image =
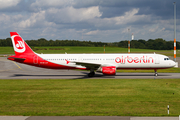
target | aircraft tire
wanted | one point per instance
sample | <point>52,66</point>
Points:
<point>91,74</point>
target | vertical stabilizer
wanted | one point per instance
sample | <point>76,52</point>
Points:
<point>19,45</point>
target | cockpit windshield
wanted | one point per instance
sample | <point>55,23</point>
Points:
<point>166,59</point>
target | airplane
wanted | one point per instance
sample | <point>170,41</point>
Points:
<point>104,63</point>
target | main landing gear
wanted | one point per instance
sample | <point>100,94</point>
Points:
<point>156,74</point>
<point>91,74</point>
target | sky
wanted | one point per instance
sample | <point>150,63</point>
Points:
<point>90,20</point>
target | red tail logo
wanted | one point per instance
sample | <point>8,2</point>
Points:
<point>18,44</point>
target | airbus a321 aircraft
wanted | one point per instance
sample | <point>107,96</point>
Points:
<point>104,63</point>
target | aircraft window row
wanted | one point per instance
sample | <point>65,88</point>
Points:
<point>97,59</point>
<point>60,59</point>
<point>114,59</point>
<point>109,59</point>
<point>91,59</point>
<point>166,59</point>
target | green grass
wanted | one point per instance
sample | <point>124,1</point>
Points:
<point>6,50</point>
<point>74,49</point>
<point>90,97</point>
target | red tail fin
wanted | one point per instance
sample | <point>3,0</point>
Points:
<point>20,46</point>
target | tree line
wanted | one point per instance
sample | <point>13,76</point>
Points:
<point>155,44</point>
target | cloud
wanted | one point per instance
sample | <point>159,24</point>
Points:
<point>72,15</point>
<point>7,21</point>
<point>35,19</point>
<point>129,18</point>
<point>51,3</point>
<point>96,20</point>
<point>4,18</point>
<point>92,32</point>
<point>8,3</point>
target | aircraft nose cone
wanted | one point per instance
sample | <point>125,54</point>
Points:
<point>172,63</point>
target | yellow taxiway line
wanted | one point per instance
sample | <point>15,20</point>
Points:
<point>17,65</point>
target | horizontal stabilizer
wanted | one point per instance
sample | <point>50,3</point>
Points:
<point>16,58</point>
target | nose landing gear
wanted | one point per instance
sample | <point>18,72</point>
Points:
<point>156,74</point>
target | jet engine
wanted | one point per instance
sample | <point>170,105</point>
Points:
<point>108,70</point>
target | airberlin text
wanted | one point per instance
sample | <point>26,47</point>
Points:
<point>143,59</point>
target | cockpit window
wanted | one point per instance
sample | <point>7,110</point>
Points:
<point>166,59</point>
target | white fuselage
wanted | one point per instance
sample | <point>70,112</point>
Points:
<point>120,61</point>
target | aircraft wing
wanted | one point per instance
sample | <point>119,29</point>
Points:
<point>91,65</point>
<point>88,64</point>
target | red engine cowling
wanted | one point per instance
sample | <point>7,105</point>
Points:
<point>110,70</point>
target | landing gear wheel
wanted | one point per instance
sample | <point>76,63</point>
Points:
<point>156,74</point>
<point>91,74</point>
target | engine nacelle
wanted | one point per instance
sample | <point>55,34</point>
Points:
<point>110,70</point>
